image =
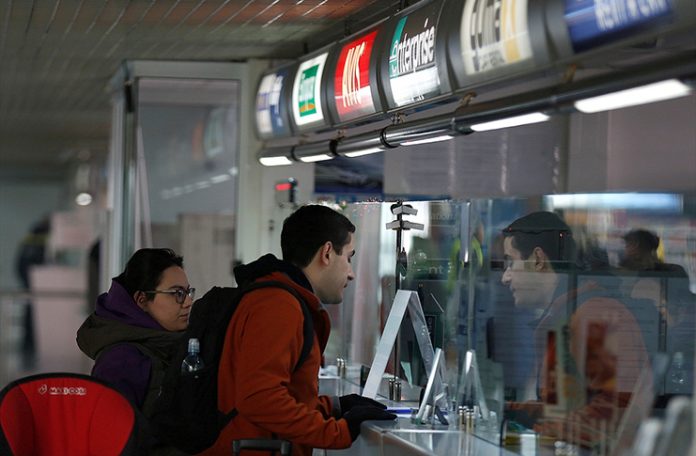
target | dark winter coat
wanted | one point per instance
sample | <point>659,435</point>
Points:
<point>130,348</point>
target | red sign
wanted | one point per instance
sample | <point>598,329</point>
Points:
<point>352,91</point>
<point>283,186</point>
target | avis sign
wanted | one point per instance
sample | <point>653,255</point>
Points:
<point>352,91</point>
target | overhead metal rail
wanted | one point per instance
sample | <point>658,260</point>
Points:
<point>566,43</point>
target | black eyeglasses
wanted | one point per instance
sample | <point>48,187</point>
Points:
<point>179,293</point>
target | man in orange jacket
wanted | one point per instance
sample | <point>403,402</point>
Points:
<point>264,340</point>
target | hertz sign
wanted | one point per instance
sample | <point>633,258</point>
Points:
<point>306,92</point>
<point>352,91</point>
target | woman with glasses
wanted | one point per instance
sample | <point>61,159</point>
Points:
<point>136,322</point>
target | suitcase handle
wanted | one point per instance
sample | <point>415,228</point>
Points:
<point>284,446</point>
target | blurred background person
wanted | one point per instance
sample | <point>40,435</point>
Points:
<point>31,252</point>
<point>640,254</point>
<point>666,287</point>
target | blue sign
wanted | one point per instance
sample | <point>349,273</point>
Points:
<point>280,125</point>
<point>270,105</point>
<point>592,23</point>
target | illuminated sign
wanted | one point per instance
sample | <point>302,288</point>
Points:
<point>283,186</point>
<point>269,105</point>
<point>352,92</point>
<point>413,73</point>
<point>494,34</point>
<point>285,191</point>
<point>306,91</point>
<point>594,22</point>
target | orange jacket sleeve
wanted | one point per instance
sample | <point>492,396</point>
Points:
<point>267,338</point>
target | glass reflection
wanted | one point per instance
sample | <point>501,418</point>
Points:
<point>578,336</point>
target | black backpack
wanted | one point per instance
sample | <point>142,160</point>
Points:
<point>186,414</point>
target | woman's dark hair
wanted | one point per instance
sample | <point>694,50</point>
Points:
<point>646,241</point>
<point>308,228</point>
<point>144,269</point>
<point>545,230</point>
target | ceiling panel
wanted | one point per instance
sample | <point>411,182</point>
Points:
<point>57,56</point>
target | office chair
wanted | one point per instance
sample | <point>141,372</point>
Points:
<point>66,414</point>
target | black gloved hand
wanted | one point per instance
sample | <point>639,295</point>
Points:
<point>361,413</point>
<point>353,400</point>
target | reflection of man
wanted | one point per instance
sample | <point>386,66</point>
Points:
<point>590,349</point>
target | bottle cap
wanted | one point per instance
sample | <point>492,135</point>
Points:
<point>193,345</point>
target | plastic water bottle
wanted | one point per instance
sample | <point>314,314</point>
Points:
<point>677,376</point>
<point>193,361</point>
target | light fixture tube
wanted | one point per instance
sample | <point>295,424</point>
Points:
<point>360,153</point>
<point>275,161</point>
<point>665,202</point>
<point>427,140</point>
<point>315,158</point>
<point>657,91</point>
<point>525,119</point>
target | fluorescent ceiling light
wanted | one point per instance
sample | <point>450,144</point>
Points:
<point>427,140</point>
<point>275,161</point>
<point>359,153</point>
<point>508,122</point>
<point>316,158</point>
<point>658,91</point>
<point>635,201</point>
<point>83,199</point>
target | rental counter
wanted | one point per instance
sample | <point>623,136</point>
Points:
<point>402,437</point>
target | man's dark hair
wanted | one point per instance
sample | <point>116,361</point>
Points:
<point>145,268</point>
<point>308,228</point>
<point>547,231</point>
<point>646,241</point>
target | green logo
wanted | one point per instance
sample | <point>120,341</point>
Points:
<point>308,81</point>
<point>394,49</point>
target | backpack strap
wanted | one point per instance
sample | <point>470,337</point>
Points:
<point>308,323</point>
<point>158,366</point>
<point>158,369</point>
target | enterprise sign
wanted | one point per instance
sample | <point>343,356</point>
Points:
<point>352,91</point>
<point>594,22</point>
<point>306,92</point>
<point>413,73</point>
<point>494,34</point>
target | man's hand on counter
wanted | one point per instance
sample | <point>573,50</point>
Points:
<point>355,400</point>
<point>360,413</point>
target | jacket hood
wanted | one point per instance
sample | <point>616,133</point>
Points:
<point>97,333</point>
<point>118,319</point>
<point>266,265</point>
<point>118,305</point>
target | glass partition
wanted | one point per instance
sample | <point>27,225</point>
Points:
<point>581,315</point>
<point>187,172</point>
